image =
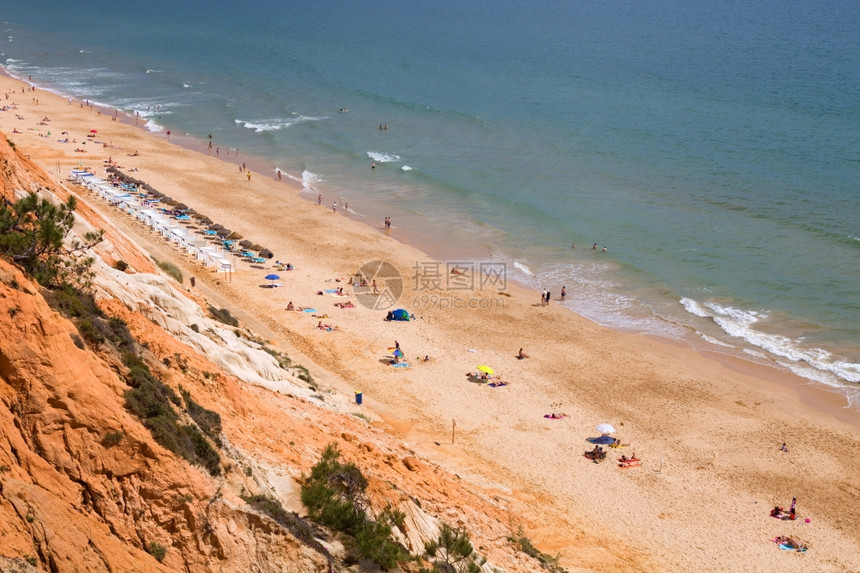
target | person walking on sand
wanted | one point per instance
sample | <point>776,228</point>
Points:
<point>249,176</point>
<point>334,207</point>
<point>548,297</point>
<point>563,292</point>
<point>319,199</point>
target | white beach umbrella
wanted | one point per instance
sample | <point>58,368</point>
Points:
<point>605,429</point>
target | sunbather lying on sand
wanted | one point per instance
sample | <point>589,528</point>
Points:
<point>597,454</point>
<point>790,542</point>
<point>479,375</point>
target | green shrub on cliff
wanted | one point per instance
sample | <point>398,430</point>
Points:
<point>334,495</point>
<point>151,401</point>
<point>453,551</point>
<point>169,268</point>
<point>208,421</point>
<point>32,233</point>
<point>93,325</point>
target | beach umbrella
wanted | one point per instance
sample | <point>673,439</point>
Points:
<point>603,440</point>
<point>234,236</point>
<point>245,243</point>
<point>396,352</point>
<point>256,247</point>
<point>486,369</point>
<point>224,232</point>
<point>266,253</point>
<point>272,277</point>
<point>94,131</point>
<point>605,429</point>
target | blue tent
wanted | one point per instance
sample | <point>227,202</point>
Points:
<point>399,314</point>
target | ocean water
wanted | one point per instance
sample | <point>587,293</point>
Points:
<point>713,148</point>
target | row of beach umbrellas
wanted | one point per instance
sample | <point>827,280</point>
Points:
<point>220,230</point>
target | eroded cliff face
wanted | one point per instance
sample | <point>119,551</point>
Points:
<point>85,487</point>
<point>80,505</point>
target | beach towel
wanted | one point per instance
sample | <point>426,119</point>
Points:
<point>497,384</point>
<point>787,546</point>
<point>401,365</point>
<point>331,290</point>
<point>309,310</point>
<point>551,417</point>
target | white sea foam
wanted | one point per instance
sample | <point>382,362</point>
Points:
<point>714,341</point>
<point>523,268</point>
<point>406,168</point>
<point>741,324</point>
<point>291,177</point>
<point>310,180</point>
<point>186,85</point>
<point>153,71</point>
<point>381,157</point>
<point>694,307</point>
<point>259,125</point>
<point>153,127</point>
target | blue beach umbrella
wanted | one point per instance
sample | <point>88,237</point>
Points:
<point>272,277</point>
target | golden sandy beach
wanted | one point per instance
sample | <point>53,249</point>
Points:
<point>707,428</point>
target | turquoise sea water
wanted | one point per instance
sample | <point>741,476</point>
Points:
<point>713,148</point>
